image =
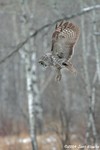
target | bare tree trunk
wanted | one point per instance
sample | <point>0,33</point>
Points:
<point>29,56</point>
<point>90,91</point>
<point>95,42</point>
<point>85,66</point>
<point>65,115</point>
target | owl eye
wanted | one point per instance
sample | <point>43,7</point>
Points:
<point>42,63</point>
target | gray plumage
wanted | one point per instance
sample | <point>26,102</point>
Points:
<point>64,40</point>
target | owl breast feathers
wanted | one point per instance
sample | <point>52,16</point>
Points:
<point>64,39</point>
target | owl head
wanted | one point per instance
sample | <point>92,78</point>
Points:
<point>46,60</point>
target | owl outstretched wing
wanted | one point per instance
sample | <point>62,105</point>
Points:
<point>64,39</point>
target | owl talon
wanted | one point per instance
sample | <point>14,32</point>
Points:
<point>58,77</point>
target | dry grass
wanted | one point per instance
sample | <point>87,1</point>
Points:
<point>13,143</point>
<point>47,141</point>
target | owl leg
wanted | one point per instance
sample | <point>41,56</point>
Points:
<point>70,67</point>
<point>58,73</point>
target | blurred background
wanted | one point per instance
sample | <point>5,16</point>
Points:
<point>32,104</point>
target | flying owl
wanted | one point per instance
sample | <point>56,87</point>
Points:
<point>64,39</point>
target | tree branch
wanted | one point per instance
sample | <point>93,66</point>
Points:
<point>20,45</point>
<point>97,33</point>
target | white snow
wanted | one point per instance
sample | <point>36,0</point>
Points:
<point>27,140</point>
<point>51,139</point>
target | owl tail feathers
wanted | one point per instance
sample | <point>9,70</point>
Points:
<point>70,67</point>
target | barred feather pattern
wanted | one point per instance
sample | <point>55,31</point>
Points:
<point>64,39</point>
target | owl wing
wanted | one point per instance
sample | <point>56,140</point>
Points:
<point>64,39</point>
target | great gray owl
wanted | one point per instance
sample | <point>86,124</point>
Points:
<point>64,40</point>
